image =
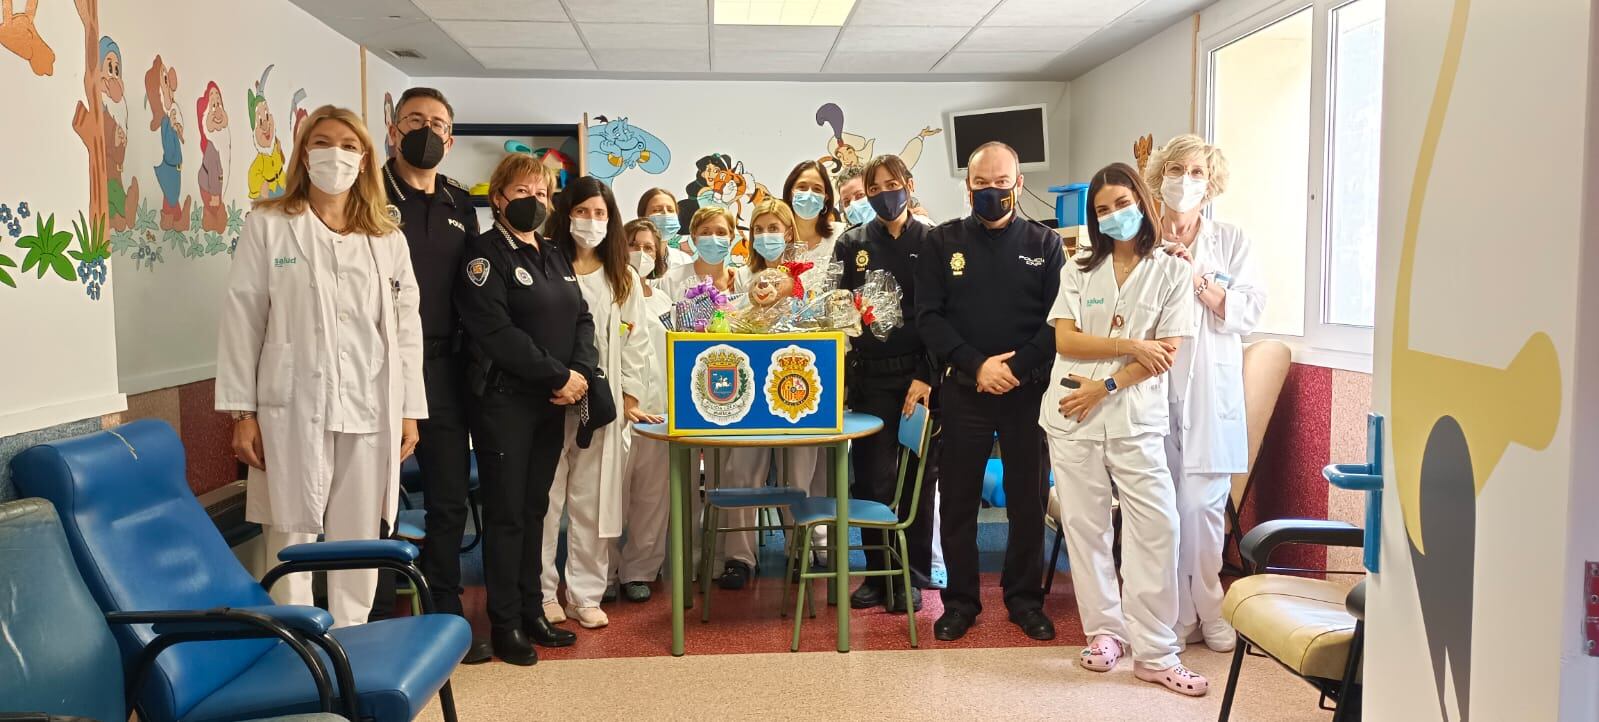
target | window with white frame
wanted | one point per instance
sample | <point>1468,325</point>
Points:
<point>1293,97</point>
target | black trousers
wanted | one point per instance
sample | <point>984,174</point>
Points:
<point>445,457</point>
<point>875,461</point>
<point>970,421</point>
<point>519,438</point>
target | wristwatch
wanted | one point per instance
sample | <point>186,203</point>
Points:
<point>242,415</point>
<point>1110,385</point>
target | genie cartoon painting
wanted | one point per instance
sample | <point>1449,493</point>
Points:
<point>849,150</point>
<point>616,145</point>
<point>161,94</point>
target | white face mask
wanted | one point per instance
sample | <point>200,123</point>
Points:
<point>642,262</point>
<point>588,232</point>
<point>333,170</point>
<point>1183,194</point>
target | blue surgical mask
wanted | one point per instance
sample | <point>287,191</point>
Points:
<point>808,204</point>
<point>712,249</point>
<point>667,223</point>
<point>1123,224</point>
<point>991,204</point>
<point>860,212</point>
<point>770,245</point>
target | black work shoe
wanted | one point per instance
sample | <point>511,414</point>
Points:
<point>952,626</point>
<point>512,647</point>
<point>636,592</point>
<point>868,595</point>
<point>548,635</point>
<point>735,574</point>
<point>1034,623</point>
<point>897,606</point>
<point>480,651</point>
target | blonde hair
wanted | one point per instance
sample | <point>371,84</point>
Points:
<point>516,166</point>
<point>1183,147</point>
<point>367,209</point>
<point>706,213</point>
<point>785,215</point>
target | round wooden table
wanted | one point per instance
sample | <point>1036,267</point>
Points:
<point>680,459</point>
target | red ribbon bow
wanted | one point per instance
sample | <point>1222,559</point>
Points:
<point>794,269</point>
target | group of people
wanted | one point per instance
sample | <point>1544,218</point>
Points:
<point>368,316</point>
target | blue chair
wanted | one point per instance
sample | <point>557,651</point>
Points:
<point>150,556</point>
<point>411,483</point>
<point>717,498</point>
<point>62,659</point>
<point>914,435</point>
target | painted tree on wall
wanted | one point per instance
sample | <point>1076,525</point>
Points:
<point>88,120</point>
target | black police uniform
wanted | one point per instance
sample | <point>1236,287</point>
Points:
<point>981,293</point>
<point>878,374</point>
<point>527,326</point>
<point>437,226</point>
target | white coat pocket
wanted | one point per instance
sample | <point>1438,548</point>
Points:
<point>274,383</point>
<point>1229,388</point>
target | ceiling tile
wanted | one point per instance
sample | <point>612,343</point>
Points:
<point>500,34</point>
<point>987,39</point>
<point>953,13</point>
<point>691,60</point>
<point>372,31</point>
<point>532,59</point>
<point>771,62</point>
<point>760,39</point>
<point>639,11</point>
<point>995,62</point>
<point>888,38</point>
<point>492,9</point>
<point>882,62</point>
<point>1041,13</point>
<point>361,9</point>
<point>645,36</point>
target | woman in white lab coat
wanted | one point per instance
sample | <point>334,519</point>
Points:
<point>647,494</point>
<point>587,226</point>
<point>319,356</point>
<point>1105,417</point>
<point>1209,441</point>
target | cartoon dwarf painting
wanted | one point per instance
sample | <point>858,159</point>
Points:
<point>161,94</point>
<point>216,157</point>
<point>122,201</point>
<point>266,171</point>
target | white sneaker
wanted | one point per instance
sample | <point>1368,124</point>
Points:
<point>588,617</point>
<point>553,613</point>
<point>1219,635</point>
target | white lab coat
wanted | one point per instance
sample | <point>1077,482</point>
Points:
<point>623,344</point>
<point>273,348</point>
<point>1207,384</point>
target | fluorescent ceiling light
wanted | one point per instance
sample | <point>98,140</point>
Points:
<point>782,12</point>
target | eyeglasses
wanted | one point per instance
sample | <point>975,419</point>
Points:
<point>416,120</point>
<point>1178,170</point>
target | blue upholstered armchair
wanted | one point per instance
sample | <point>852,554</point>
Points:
<point>200,637</point>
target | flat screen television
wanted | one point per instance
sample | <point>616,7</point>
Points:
<point>1023,127</point>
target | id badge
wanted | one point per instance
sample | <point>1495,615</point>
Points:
<point>1223,280</point>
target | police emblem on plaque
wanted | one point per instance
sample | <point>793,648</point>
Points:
<point>793,387</point>
<point>722,384</point>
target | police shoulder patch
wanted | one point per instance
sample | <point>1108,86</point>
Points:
<point>523,277</point>
<point>477,271</point>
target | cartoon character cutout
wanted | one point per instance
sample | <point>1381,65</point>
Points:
<point>266,171</point>
<point>122,201</point>
<point>19,33</point>
<point>161,95</point>
<point>614,146</point>
<point>848,150</point>
<point>722,183</point>
<point>388,122</point>
<point>216,158</point>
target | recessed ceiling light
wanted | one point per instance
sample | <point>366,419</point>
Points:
<point>782,12</point>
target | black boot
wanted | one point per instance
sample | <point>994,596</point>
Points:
<point>512,647</point>
<point>548,635</point>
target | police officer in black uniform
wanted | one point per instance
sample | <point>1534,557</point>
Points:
<point>984,286</point>
<point>885,378</point>
<point>437,217</point>
<point>531,340</point>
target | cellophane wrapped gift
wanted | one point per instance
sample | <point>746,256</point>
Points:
<point>698,307</point>
<point>878,300</point>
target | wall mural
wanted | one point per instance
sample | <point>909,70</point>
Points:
<point>615,146</point>
<point>19,33</point>
<point>721,182</point>
<point>849,150</point>
<point>388,122</point>
<point>1446,444</point>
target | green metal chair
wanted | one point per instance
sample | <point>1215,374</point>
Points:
<point>915,434</point>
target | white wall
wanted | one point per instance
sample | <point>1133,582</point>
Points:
<point>383,83</point>
<point>768,126</point>
<point>1142,91</point>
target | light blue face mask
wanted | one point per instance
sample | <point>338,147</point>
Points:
<point>1123,224</point>
<point>860,212</point>
<point>808,204</point>
<point>667,223</point>
<point>770,245</point>
<point>712,249</point>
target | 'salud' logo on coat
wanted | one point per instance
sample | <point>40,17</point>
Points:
<point>793,388</point>
<point>722,384</point>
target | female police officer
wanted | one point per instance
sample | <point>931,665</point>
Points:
<point>532,344</point>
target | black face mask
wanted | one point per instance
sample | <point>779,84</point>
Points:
<point>422,148</point>
<point>525,214</point>
<point>889,204</point>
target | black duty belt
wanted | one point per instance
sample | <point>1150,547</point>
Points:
<point>886,366</point>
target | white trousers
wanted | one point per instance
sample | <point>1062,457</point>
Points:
<point>746,469</point>
<point>1083,473</point>
<point>1202,515</point>
<point>354,511</point>
<point>576,493</point>
<point>648,510</point>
